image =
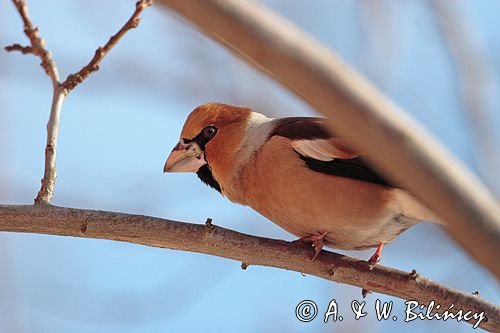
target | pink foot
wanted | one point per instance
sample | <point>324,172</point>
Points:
<point>316,241</point>
<point>375,258</point>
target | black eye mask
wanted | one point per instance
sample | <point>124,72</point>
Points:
<point>203,137</point>
<point>204,172</point>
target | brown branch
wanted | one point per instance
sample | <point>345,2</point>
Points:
<point>61,90</point>
<point>74,79</point>
<point>250,250</point>
<point>395,144</point>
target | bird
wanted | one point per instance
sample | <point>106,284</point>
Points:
<point>298,174</point>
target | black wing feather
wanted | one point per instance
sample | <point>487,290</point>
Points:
<point>310,128</point>
<point>301,128</point>
<point>354,168</point>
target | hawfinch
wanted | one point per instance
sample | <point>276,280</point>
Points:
<point>298,175</point>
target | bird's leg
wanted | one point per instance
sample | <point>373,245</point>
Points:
<point>316,240</point>
<point>375,258</point>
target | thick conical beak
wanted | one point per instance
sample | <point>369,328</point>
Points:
<point>185,158</point>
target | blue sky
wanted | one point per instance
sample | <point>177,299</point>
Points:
<point>118,127</point>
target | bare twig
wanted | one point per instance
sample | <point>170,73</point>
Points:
<point>74,79</point>
<point>22,49</point>
<point>37,47</point>
<point>250,250</point>
<point>394,143</point>
<point>61,90</point>
<point>49,176</point>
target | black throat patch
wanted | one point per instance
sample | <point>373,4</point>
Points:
<point>206,176</point>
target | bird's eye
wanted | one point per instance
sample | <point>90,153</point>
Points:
<point>209,132</point>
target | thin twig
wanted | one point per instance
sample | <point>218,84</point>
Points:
<point>22,49</point>
<point>37,47</point>
<point>49,176</point>
<point>61,90</point>
<point>250,250</point>
<point>74,79</point>
<point>395,144</point>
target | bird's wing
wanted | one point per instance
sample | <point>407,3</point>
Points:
<point>323,152</point>
<point>323,149</point>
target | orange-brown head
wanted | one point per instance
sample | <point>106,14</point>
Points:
<point>209,142</point>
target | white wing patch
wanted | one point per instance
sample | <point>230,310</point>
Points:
<point>318,149</point>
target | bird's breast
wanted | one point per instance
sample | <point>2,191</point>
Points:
<point>276,183</point>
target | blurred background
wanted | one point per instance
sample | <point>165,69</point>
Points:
<point>439,60</point>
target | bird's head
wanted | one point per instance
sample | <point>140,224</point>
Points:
<point>209,140</point>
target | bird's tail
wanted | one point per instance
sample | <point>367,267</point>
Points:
<point>413,208</point>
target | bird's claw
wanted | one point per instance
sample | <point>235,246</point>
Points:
<point>374,259</point>
<point>316,241</point>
